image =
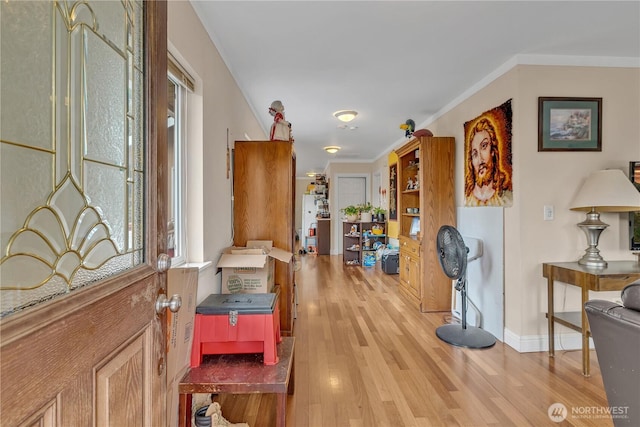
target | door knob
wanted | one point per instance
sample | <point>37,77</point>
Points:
<point>172,304</point>
<point>164,263</point>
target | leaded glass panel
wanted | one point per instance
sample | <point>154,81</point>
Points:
<point>72,190</point>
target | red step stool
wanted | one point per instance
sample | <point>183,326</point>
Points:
<point>237,323</point>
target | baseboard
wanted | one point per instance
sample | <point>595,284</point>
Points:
<point>536,343</point>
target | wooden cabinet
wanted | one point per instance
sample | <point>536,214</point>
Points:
<point>359,240</point>
<point>324,236</point>
<point>264,209</point>
<point>426,201</point>
<point>410,268</point>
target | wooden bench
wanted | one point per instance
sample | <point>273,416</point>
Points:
<point>240,374</point>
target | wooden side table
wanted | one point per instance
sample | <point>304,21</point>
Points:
<point>240,374</point>
<point>616,276</point>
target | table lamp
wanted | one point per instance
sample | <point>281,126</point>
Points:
<point>603,191</point>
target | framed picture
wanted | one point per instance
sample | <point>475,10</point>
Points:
<point>569,124</point>
<point>634,217</point>
<point>393,191</point>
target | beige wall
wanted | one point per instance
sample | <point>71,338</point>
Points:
<point>549,178</point>
<point>217,106</point>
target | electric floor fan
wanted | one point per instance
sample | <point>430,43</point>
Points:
<point>453,260</point>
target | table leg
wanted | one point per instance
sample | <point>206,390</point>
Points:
<point>550,312</point>
<point>292,376</point>
<point>585,332</point>
<point>184,409</point>
<point>281,409</point>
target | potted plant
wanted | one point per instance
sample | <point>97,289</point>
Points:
<point>351,212</point>
<point>378,213</point>
<point>365,212</point>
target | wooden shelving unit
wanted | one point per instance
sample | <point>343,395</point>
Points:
<point>426,198</point>
<point>358,240</point>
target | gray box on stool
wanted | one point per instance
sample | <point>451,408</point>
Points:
<point>391,263</point>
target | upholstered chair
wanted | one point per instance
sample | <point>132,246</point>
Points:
<point>615,330</point>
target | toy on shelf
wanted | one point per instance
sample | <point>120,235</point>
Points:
<point>409,184</point>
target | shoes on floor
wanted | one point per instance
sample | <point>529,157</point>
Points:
<point>213,417</point>
<point>217,420</point>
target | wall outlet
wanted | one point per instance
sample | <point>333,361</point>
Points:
<point>548,213</point>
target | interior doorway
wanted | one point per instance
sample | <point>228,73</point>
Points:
<point>351,189</point>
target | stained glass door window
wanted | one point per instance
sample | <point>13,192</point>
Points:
<point>71,146</point>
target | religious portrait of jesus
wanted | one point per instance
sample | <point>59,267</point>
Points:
<point>488,166</point>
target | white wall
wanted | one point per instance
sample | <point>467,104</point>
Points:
<point>217,106</point>
<point>485,284</point>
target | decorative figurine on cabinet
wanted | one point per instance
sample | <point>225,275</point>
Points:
<point>409,184</point>
<point>416,183</point>
<point>409,126</point>
<point>280,129</point>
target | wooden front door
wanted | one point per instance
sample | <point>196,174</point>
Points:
<point>83,135</point>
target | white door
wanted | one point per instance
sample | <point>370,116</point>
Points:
<point>83,99</point>
<point>351,190</point>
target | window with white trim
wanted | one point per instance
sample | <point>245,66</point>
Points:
<point>179,82</point>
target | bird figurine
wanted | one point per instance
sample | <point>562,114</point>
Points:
<point>409,126</point>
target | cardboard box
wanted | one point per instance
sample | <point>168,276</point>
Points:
<point>250,269</point>
<point>180,325</point>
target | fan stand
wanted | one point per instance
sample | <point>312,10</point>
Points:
<point>463,335</point>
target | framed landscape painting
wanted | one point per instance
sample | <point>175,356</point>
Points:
<point>569,124</point>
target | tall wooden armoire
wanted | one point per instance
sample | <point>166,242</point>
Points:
<point>264,208</point>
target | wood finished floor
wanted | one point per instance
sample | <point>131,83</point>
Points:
<point>364,357</point>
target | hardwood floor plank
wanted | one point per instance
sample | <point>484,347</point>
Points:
<point>365,357</point>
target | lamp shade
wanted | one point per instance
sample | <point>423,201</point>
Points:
<point>607,191</point>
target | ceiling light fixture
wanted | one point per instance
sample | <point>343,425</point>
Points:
<point>332,149</point>
<point>311,174</point>
<point>345,115</point>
